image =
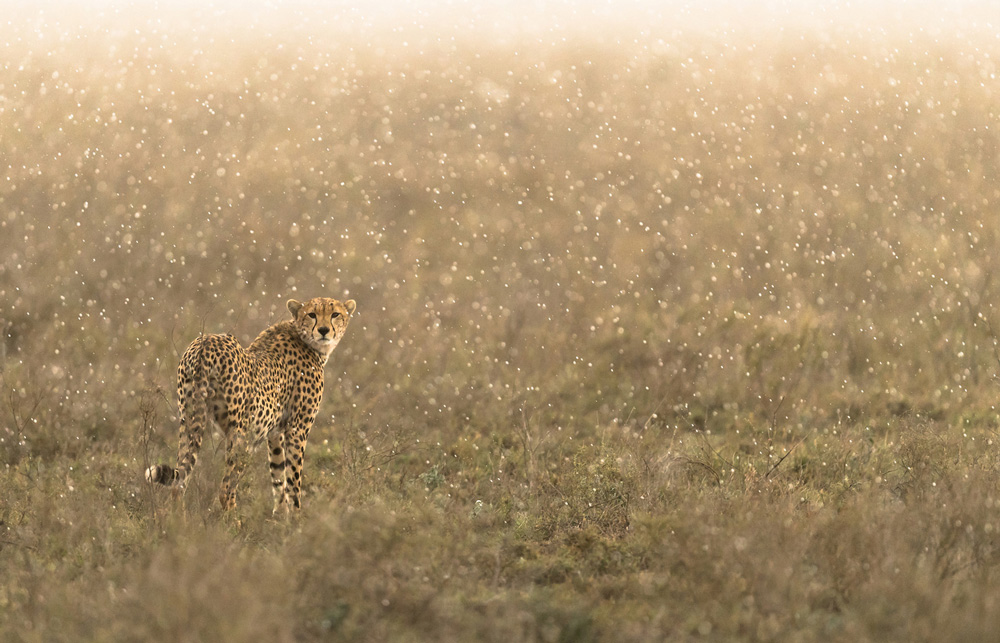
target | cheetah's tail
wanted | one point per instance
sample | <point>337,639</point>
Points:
<point>194,414</point>
<point>161,473</point>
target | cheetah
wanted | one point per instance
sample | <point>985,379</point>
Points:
<point>272,390</point>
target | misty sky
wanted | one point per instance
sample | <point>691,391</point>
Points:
<point>545,15</point>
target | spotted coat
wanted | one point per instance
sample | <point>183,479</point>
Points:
<point>270,390</point>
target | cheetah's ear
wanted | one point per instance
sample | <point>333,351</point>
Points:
<point>293,307</point>
<point>350,305</point>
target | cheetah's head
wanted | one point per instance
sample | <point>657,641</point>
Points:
<point>321,322</point>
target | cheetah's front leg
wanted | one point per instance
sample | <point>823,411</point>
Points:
<point>295,446</point>
<point>276,457</point>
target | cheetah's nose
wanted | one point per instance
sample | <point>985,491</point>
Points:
<point>323,330</point>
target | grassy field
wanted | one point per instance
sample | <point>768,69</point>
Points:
<point>662,335</point>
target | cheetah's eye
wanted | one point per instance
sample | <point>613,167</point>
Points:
<point>335,315</point>
<point>312,315</point>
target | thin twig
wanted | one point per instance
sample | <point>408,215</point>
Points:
<point>527,450</point>
<point>782,459</point>
<point>993,337</point>
<point>706,466</point>
<point>147,409</point>
<point>774,414</point>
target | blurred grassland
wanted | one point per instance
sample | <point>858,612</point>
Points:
<point>682,336</point>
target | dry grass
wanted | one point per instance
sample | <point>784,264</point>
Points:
<point>687,338</point>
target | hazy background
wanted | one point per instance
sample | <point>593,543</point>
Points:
<point>673,321</point>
